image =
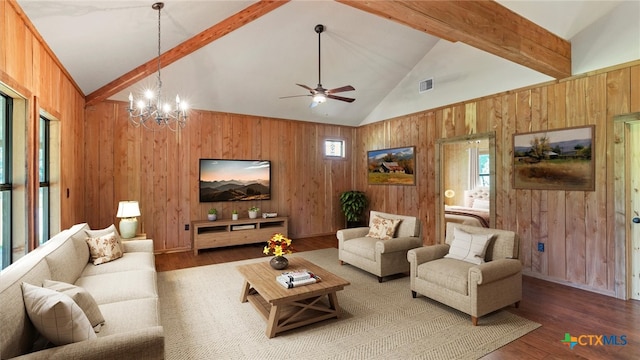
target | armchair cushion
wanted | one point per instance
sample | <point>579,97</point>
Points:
<point>447,273</point>
<point>363,247</point>
<point>468,247</point>
<point>383,228</point>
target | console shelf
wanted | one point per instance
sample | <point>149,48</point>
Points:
<point>212,234</point>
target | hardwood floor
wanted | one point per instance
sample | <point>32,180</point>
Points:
<point>560,309</point>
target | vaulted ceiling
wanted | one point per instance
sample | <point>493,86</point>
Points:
<point>242,56</point>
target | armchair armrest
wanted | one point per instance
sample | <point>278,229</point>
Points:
<point>398,244</point>
<point>352,233</point>
<point>494,270</point>
<point>427,253</point>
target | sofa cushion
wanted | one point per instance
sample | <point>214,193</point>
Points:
<point>120,286</point>
<point>86,302</point>
<point>363,247</point>
<point>447,273</point>
<point>383,228</point>
<point>129,261</point>
<point>56,316</point>
<point>468,247</point>
<point>130,315</point>
<point>104,248</point>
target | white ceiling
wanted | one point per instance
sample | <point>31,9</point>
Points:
<point>248,70</point>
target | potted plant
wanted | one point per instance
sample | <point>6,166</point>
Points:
<point>234,215</point>
<point>253,212</point>
<point>213,214</point>
<point>353,204</point>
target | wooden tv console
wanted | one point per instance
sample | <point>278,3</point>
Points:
<point>212,234</point>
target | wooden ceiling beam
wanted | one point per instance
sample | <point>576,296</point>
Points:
<point>195,43</point>
<point>483,24</point>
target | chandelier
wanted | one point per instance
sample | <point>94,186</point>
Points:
<point>152,112</point>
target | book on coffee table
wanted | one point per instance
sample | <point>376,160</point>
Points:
<point>297,278</point>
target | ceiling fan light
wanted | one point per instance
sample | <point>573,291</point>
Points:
<point>319,98</point>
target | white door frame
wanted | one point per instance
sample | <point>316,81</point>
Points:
<point>622,206</point>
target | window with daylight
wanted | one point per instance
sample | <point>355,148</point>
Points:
<point>483,169</point>
<point>6,105</point>
<point>44,175</point>
<point>334,148</point>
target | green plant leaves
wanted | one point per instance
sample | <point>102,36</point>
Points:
<point>353,204</point>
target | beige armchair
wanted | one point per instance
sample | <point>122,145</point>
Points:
<point>475,289</point>
<point>380,257</point>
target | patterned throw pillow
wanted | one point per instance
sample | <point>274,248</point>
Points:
<point>82,297</point>
<point>56,316</point>
<point>108,230</point>
<point>104,249</point>
<point>383,228</point>
<point>468,247</point>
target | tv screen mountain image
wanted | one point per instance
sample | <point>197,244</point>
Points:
<point>234,180</point>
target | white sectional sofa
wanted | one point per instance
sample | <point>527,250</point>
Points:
<point>125,290</point>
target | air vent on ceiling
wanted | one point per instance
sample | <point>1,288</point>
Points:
<point>425,85</point>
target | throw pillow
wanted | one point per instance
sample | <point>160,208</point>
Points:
<point>383,228</point>
<point>468,247</point>
<point>82,297</point>
<point>101,232</point>
<point>56,316</point>
<point>104,249</point>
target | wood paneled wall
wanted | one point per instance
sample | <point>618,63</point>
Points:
<point>160,169</point>
<point>577,227</point>
<point>29,68</point>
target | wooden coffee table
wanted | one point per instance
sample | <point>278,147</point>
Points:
<point>286,309</point>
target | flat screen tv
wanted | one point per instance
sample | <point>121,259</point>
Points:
<point>234,180</point>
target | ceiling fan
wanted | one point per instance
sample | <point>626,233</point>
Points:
<point>320,94</point>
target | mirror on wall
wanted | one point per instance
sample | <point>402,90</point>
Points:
<point>465,181</point>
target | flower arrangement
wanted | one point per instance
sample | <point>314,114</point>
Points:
<point>278,245</point>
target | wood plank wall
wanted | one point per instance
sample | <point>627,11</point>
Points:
<point>28,67</point>
<point>577,227</point>
<point>160,169</point>
<point>113,162</point>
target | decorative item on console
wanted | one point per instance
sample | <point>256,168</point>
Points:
<point>234,215</point>
<point>253,212</point>
<point>213,214</point>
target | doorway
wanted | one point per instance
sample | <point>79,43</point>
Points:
<point>627,204</point>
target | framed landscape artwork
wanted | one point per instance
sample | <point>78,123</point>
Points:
<point>392,166</point>
<point>554,159</point>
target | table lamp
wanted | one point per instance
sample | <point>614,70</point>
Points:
<point>127,212</point>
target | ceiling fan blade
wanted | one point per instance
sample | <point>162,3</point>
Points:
<point>341,89</point>
<point>292,96</point>
<point>341,98</point>
<point>306,87</point>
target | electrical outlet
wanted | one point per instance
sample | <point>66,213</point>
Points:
<point>541,247</point>
<point>186,227</point>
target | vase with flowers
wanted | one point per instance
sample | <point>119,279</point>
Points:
<point>278,246</point>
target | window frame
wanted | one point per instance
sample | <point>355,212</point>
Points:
<point>343,144</point>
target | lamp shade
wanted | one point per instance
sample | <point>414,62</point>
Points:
<point>449,193</point>
<point>128,209</point>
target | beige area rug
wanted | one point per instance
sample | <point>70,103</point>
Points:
<point>203,318</point>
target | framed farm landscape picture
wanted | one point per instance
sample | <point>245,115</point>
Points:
<point>392,166</point>
<point>554,160</point>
